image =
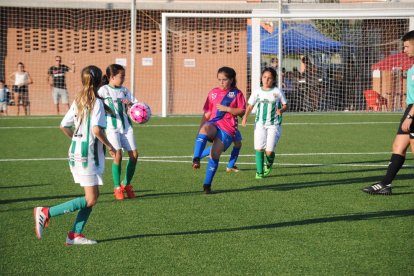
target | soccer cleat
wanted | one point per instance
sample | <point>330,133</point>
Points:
<point>129,190</point>
<point>207,189</point>
<point>234,169</point>
<point>196,163</point>
<point>378,189</point>
<point>259,176</point>
<point>78,239</point>
<point>119,193</point>
<point>267,169</point>
<point>41,217</point>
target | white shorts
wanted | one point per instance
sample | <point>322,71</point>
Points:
<point>3,106</point>
<point>60,93</point>
<point>120,140</point>
<point>266,137</point>
<point>87,180</point>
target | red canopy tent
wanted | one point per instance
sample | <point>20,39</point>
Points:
<point>400,60</point>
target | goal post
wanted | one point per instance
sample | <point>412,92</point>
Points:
<point>331,41</point>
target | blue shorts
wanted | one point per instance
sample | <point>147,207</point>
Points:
<point>224,137</point>
<point>238,136</point>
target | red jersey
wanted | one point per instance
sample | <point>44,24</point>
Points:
<point>224,120</point>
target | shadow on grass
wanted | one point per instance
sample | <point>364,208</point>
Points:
<point>16,200</point>
<point>350,217</point>
<point>23,186</point>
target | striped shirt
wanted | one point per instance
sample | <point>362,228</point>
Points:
<point>268,101</point>
<point>119,121</point>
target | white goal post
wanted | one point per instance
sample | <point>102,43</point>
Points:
<point>257,17</point>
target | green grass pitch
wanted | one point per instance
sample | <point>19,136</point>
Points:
<point>309,217</point>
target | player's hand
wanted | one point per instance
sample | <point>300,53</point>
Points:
<point>223,108</point>
<point>112,151</point>
<point>406,125</point>
<point>72,62</point>
<point>244,121</point>
<point>126,101</point>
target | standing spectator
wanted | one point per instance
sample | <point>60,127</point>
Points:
<point>219,122</point>
<point>312,93</point>
<point>405,132</point>
<point>21,80</point>
<point>57,81</point>
<point>84,124</point>
<point>3,97</point>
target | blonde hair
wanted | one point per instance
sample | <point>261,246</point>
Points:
<point>91,77</point>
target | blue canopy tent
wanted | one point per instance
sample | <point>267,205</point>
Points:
<point>297,38</point>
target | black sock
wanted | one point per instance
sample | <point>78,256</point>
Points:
<point>395,165</point>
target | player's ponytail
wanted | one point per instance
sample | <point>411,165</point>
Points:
<point>91,77</point>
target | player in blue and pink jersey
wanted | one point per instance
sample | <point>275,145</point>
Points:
<point>219,122</point>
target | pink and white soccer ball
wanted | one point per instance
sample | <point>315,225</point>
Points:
<point>140,113</point>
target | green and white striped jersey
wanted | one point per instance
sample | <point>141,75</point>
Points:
<point>268,101</point>
<point>119,121</point>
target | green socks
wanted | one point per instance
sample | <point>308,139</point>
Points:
<point>270,158</point>
<point>116,175</point>
<point>81,220</point>
<point>68,207</point>
<point>130,170</point>
<point>259,161</point>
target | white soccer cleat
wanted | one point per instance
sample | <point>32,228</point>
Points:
<point>41,220</point>
<point>78,239</point>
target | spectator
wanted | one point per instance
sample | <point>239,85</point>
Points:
<point>3,97</point>
<point>56,79</point>
<point>21,80</point>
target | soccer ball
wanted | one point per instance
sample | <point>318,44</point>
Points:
<point>140,113</point>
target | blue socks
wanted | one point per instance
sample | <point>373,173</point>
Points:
<point>211,170</point>
<point>233,157</point>
<point>199,145</point>
<point>206,152</point>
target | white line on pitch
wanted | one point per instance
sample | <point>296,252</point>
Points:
<point>196,125</point>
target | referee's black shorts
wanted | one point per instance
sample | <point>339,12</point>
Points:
<point>400,131</point>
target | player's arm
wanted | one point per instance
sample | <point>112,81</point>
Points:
<point>281,110</point>
<point>408,120</point>
<point>100,134</point>
<point>246,114</point>
<point>236,111</point>
<point>68,131</point>
<point>205,117</point>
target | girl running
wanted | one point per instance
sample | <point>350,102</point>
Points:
<point>84,123</point>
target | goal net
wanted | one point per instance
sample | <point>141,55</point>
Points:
<point>324,64</point>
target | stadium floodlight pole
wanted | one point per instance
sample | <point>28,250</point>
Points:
<point>133,44</point>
